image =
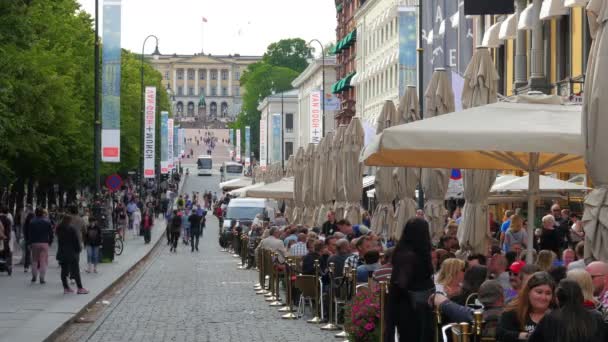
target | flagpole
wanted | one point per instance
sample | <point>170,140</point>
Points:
<point>202,35</point>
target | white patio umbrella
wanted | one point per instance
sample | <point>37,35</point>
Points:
<point>480,88</point>
<point>383,216</point>
<point>439,99</point>
<point>340,193</point>
<point>281,190</point>
<point>406,179</point>
<point>353,173</point>
<point>325,198</point>
<point>298,189</point>
<point>235,183</point>
<point>289,202</point>
<point>595,124</point>
<point>505,136</point>
<point>308,185</point>
<point>318,180</point>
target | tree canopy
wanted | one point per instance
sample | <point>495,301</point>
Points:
<point>290,53</point>
<point>46,95</point>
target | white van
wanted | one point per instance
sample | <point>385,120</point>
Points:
<point>244,211</point>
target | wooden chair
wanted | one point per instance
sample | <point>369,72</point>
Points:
<point>306,284</point>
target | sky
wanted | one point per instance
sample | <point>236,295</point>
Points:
<point>246,27</point>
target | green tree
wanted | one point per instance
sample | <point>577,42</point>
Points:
<point>290,53</point>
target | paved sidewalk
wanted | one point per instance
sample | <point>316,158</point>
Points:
<point>31,312</point>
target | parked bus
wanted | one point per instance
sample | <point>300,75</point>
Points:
<point>204,165</point>
<point>231,170</point>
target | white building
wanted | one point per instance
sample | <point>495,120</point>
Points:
<point>380,76</point>
<point>276,109</point>
<point>308,82</point>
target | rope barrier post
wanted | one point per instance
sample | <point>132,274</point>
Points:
<point>346,276</point>
<point>330,324</point>
<point>317,318</point>
<point>290,314</point>
<point>273,273</point>
<point>262,275</point>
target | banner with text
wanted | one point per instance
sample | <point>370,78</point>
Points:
<point>247,146</point>
<point>182,143</point>
<point>238,145</point>
<point>149,132</point>
<point>164,156</point>
<point>316,124</point>
<point>110,82</point>
<point>170,158</point>
<point>263,136</point>
<point>175,145</point>
<point>276,137</point>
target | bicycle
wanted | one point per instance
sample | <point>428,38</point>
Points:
<point>118,243</point>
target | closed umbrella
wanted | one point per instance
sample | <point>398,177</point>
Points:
<point>340,194</point>
<point>328,178</point>
<point>317,180</point>
<point>289,202</point>
<point>480,88</point>
<point>594,126</point>
<point>383,217</point>
<point>353,173</point>
<point>308,185</point>
<point>406,179</point>
<point>298,189</point>
<point>439,99</point>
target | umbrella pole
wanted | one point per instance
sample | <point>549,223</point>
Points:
<point>533,189</point>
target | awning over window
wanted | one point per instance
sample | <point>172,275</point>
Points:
<point>508,29</point>
<point>345,42</point>
<point>490,38</point>
<point>552,8</point>
<point>343,84</point>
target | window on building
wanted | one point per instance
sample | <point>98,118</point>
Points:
<point>289,122</point>
<point>180,91</point>
<point>202,73</point>
<point>191,91</point>
<point>224,91</point>
<point>237,75</point>
<point>237,91</point>
<point>213,92</point>
<point>166,75</point>
<point>190,74</point>
<point>224,75</point>
<point>180,74</point>
<point>202,91</point>
<point>214,74</point>
<point>288,149</point>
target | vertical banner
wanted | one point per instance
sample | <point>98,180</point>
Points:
<point>175,145</point>
<point>263,136</point>
<point>231,139</point>
<point>170,132</point>
<point>316,124</point>
<point>110,82</point>
<point>238,145</point>
<point>247,146</point>
<point>164,144</point>
<point>407,48</point>
<point>149,132</point>
<point>182,143</point>
<point>276,138</point>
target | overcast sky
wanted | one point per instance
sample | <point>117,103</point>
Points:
<point>233,26</point>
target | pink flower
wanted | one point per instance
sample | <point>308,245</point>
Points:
<point>369,326</point>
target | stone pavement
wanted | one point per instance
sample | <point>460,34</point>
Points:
<point>32,312</point>
<point>198,297</point>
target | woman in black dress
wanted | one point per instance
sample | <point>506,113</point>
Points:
<point>410,286</point>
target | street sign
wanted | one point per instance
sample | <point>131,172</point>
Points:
<point>114,182</point>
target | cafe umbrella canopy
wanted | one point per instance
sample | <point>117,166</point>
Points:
<point>506,136</point>
<point>298,189</point>
<point>480,88</point>
<point>328,175</point>
<point>308,185</point>
<point>595,124</point>
<point>353,173</point>
<point>340,203</point>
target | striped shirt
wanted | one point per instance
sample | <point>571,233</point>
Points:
<point>383,273</point>
<point>298,249</point>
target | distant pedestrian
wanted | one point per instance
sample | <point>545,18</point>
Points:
<point>176,226</point>
<point>39,236</point>
<point>136,217</point>
<point>92,241</point>
<point>195,221</point>
<point>68,252</point>
<point>147,223</point>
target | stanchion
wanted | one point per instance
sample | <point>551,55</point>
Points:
<point>478,324</point>
<point>289,273</point>
<point>273,273</point>
<point>383,290</point>
<point>317,318</point>
<point>465,332</point>
<point>345,275</point>
<point>243,252</point>
<point>353,276</point>
<point>330,319</point>
<point>262,276</point>
<point>235,242</point>
<point>277,286</point>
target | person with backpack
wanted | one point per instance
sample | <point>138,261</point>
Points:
<point>92,241</point>
<point>195,221</point>
<point>176,227</point>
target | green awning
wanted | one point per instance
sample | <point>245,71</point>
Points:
<point>339,7</point>
<point>343,84</point>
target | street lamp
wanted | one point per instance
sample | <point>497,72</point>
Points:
<point>322,80</point>
<point>97,122</point>
<point>155,55</point>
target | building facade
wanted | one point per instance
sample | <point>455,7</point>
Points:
<point>345,51</point>
<point>308,82</point>
<point>216,79</point>
<point>278,117</point>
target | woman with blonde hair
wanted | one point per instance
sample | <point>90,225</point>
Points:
<point>545,260</point>
<point>516,234</point>
<point>583,279</point>
<point>450,277</point>
<point>451,229</point>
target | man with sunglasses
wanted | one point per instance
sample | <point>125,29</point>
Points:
<point>599,271</point>
<point>519,273</point>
